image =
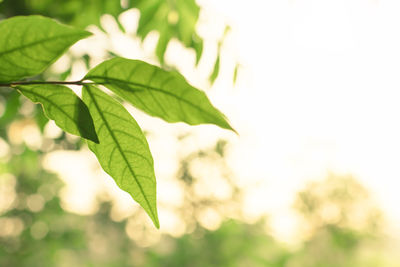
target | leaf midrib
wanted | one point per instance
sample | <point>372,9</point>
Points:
<point>40,42</point>
<point>121,151</point>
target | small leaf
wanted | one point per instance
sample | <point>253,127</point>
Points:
<point>40,118</point>
<point>123,151</point>
<point>28,45</point>
<point>197,45</point>
<point>162,46</point>
<point>159,93</point>
<point>235,73</point>
<point>215,72</point>
<point>63,106</point>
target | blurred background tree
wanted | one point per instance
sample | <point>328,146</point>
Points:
<point>340,224</point>
<point>339,228</point>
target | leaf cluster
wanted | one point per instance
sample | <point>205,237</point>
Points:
<point>32,43</point>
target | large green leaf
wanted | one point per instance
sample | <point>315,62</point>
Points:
<point>63,106</point>
<point>123,151</point>
<point>160,93</point>
<point>28,45</point>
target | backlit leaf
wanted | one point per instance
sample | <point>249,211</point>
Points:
<point>162,46</point>
<point>123,151</point>
<point>28,45</point>
<point>63,106</point>
<point>160,93</point>
<point>215,72</point>
<point>235,73</point>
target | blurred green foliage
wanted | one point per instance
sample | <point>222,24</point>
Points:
<point>76,12</point>
<point>34,229</point>
<point>171,19</point>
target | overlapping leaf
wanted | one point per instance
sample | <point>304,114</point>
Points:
<point>160,93</point>
<point>28,45</point>
<point>63,106</point>
<point>123,151</point>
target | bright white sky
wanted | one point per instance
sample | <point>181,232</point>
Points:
<point>318,91</point>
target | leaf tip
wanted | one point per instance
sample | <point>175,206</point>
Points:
<point>225,124</point>
<point>153,216</point>
<point>230,128</point>
<point>152,213</point>
<point>233,130</point>
<point>156,223</point>
<point>87,33</point>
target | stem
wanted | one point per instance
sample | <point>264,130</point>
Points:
<point>80,82</point>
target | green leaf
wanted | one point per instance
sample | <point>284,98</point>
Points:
<point>28,45</point>
<point>40,118</point>
<point>162,46</point>
<point>235,73</point>
<point>197,44</point>
<point>123,151</point>
<point>215,72</point>
<point>159,93</point>
<point>63,106</point>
